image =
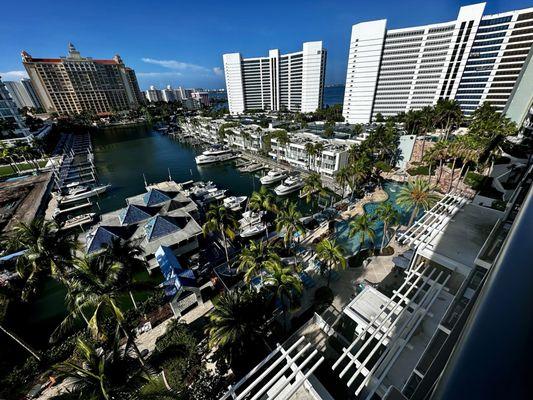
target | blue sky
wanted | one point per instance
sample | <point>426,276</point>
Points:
<point>181,42</point>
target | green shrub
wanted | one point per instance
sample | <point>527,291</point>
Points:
<point>420,170</point>
<point>383,166</point>
<point>476,181</point>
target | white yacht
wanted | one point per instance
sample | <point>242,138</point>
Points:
<point>82,192</point>
<point>78,221</point>
<point>216,151</point>
<point>215,194</point>
<point>273,177</point>
<point>211,159</point>
<point>253,230</point>
<point>289,185</point>
<point>234,202</point>
<point>251,218</point>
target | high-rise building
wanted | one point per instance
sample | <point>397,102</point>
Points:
<point>201,97</point>
<point>475,59</point>
<point>73,84</point>
<point>293,81</point>
<point>23,94</point>
<point>153,95</point>
<point>10,114</point>
<point>168,94</point>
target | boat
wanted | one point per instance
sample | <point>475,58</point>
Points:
<point>201,189</point>
<point>203,159</point>
<point>251,218</point>
<point>216,194</point>
<point>77,221</point>
<point>289,185</point>
<point>273,176</point>
<point>82,192</point>
<point>234,202</point>
<point>253,230</point>
<point>216,151</point>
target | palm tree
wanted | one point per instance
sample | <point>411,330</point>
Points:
<point>99,374</point>
<point>342,178</point>
<point>263,200</point>
<point>330,254</point>
<point>285,285</point>
<point>389,216</point>
<point>219,219</point>
<point>236,325</point>
<point>289,220</point>
<point>252,259</point>
<point>448,114</point>
<point>364,225</point>
<point>49,251</point>
<point>313,184</point>
<point>311,152</point>
<point>128,254</point>
<point>94,286</point>
<point>319,148</point>
<point>427,122</point>
<point>416,195</point>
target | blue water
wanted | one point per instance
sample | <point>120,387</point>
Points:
<point>351,245</point>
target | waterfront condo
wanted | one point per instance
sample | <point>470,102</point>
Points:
<point>293,82</point>
<point>73,84</point>
<point>475,59</point>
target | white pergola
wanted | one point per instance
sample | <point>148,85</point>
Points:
<point>390,330</point>
<point>433,222</point>
<point>279,375</point>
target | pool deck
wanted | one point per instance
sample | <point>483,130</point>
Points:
<point>375,197</point>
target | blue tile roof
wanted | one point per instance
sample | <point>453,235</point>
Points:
<point>101,237</point>
<point>154,197</point>
<point>158,227</point>
<point>132,214</point>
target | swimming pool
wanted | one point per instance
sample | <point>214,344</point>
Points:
<point>351,245</point>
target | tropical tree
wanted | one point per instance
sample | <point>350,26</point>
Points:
<point>253,258</point>
<point>311,153</point>
<point>313,184</point>
<point>94,288</point>
<point>288,220</point>
<point>130,255</point>
<point>448,114</point>
<point>263,200</point>
<point>284,284</point>
<point>416,195</point>
<point>319,148</point>
<point>364,226</point>
<point>48,251</point>
<point>357,129</point>
<point>387,214</point>
<point>427,123</point>
<point>100,374</point>
<point>220,220</point>
<point>330,254</point>
<point>342,177</point>
<point>237,326</point>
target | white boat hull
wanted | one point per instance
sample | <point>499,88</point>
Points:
<point>77,197</point>
<point>285,190</point>
<point>252,231</point>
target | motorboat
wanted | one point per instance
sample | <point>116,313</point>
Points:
<point>289,185</point>
<point>251,218</point>
<point>253,230</point>
<point>78,220</point>
<point>273,176</point>
<point>234,202</point>
<point>217,194</point>
<point>203,159</point>
<point>82,192</point>
<point>216,151</point>
<point>201,189</point>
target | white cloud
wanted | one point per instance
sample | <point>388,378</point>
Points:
<point>176,65</point>
<point>218,71</point>
<point>13,75</point>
